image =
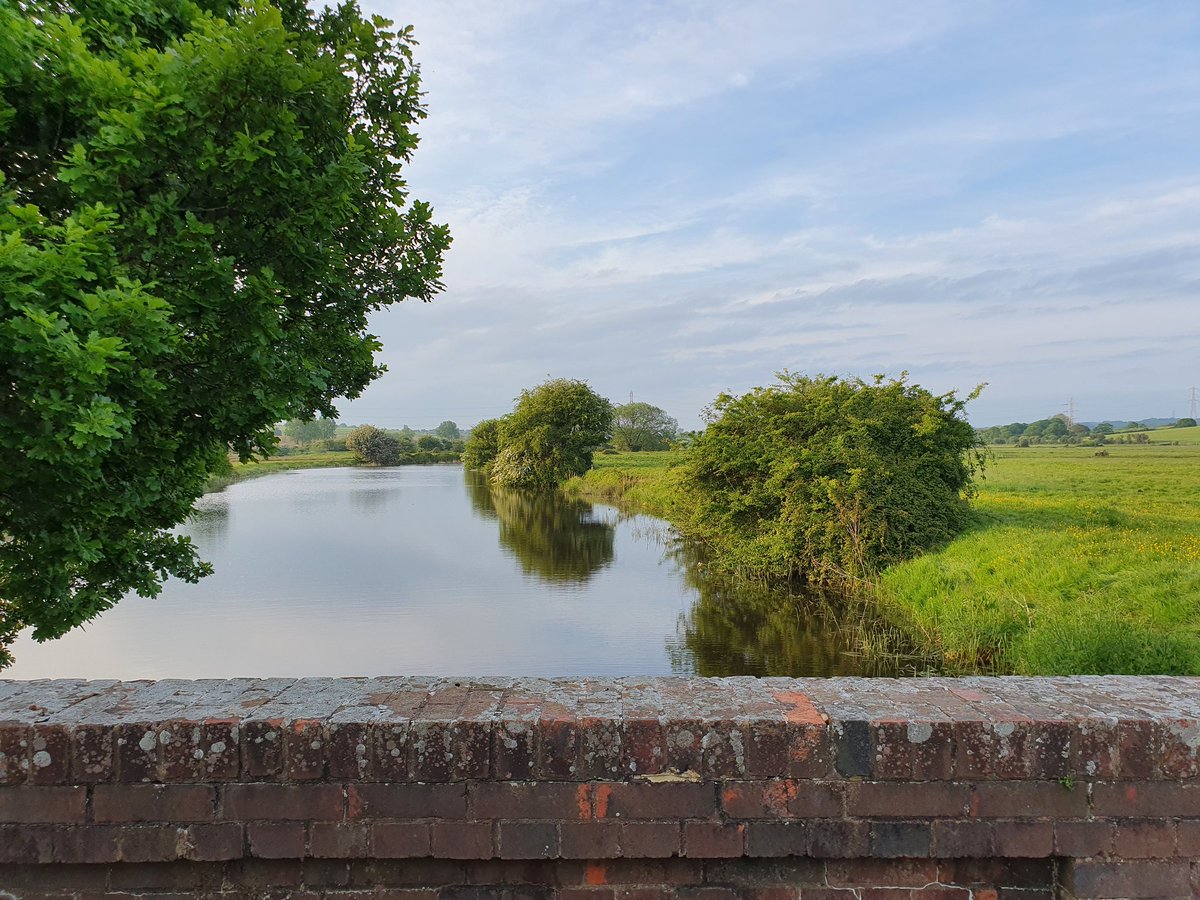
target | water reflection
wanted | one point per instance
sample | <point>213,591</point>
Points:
<point>553,538</point>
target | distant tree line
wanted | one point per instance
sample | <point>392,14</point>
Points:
<point>1058,429</point>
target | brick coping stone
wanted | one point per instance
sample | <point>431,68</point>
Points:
<point>636,788</point>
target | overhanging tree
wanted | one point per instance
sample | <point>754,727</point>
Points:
<point>200,203</point>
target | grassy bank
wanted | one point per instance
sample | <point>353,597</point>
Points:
<point>1076,563</point>
<point>242,471</point>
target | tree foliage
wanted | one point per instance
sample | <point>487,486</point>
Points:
<point>549,436</point>
<point>641,426</point>
<point>374,446</point>
<point>311,431</point>
<point>448,430</point>
<point>1186,422</point>
<point>200,203</point>
<point>831,479</point>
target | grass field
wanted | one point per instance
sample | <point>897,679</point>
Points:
<point>1077,563</point>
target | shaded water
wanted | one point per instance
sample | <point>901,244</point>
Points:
<point>427,570</point>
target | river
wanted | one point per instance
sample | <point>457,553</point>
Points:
<point>426,570</point>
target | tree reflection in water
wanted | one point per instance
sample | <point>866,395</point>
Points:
<point>554,538</point>
<point>740,627</point>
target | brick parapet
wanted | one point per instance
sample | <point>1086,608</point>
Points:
<point>1081,775</point>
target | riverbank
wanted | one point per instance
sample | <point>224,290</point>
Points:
<point>255,468</point>
<point>1076,562</point>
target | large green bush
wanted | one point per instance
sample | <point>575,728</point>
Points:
<point>830,479</point>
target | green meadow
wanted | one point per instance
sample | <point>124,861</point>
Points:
<point>1076,562</point>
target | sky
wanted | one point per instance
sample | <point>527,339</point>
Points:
<point>671,200</point>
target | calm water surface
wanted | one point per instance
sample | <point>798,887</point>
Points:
<point>425,570</point>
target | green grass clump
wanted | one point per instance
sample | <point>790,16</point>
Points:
<point>254,468</point>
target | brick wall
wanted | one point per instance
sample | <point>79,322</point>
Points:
<point>635,788</point>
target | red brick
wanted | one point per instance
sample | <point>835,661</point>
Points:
<point>1080,838</point>
<point>722,751</point>
<point>933,757</point>
<point>1006,799</point>
<point>1024,839</point>
<point>834,839</point>
<point>810,750</point>
<point>514,749</point>
<point>1097,749</point>
<point>766,748</point>
<point>590,840</point>
<point>527,840</point>
<point>1050,749</point>
<point>781,799</point>
<point>27,804</point>
<point>199,751</point>
<point>558,747</point>
<point>901,839</point>
<point>390,750</point>
<point>892,872</point>
<point>776,839</point>
<point>338,840</point>
<point>1128,878</point>
<point>1145,839</point>
<point>966,838</point>
<point>661,801</point>
<point>1180,755</point>
<point>684,750</point>
<point>14,753</point>
<point>87,844</point>
<point>1150,798</point>
<point>348,755</point>
<point>471,741</point>
<point>304,749</point>
<point>891,751</point>
<point>26,844</point>
<point>643,748</point>
<point>599,747</point>
<point>153,803</point>
<point>50,754</point>
<point>407,801</point>
<point>525,800</point>
<point>907,801</point>
<point>651,840</point>
<point>462,840</point>
<point>213,842</point>
<point>1011,747</point>
<point>276,840</point>
<point>974,749</point>
<point>262,748</point>
<point>1139,741</point>
<point>713,840</point>
<point>400,840</point>
<point>149,843</point>
<point>1188,836</point>
<point>137,749</point>
<point>253,802</point>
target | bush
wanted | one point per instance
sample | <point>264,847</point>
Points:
<point>830,479</point>
<point>370,445</point>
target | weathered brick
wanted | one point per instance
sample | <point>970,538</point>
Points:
<point>1140,743</point>
<point>658,801</point>
<point>153,803</point>
<point>906,801</point>
<point>14,753</point>
<point>723,755</point>
<point>29,804</point>
<point>932,746</point>
<point>1143,839</point>
<point>558,747</point>
<point>461,840</point>
<point>590,840</point>
<point>212,841</point>
<point>651,840</point>
<point>514,749</point>
<point>1083,838</point>
<point>137,749</point>
<point>262,748</point>
<point>643,747</point>
<point>1023,839</point>
<point>1008,799</point>
<point>29,844</point>
<point>390,751</point>
<point>974,749</point>
<point>834,839</point>
<point>1148,798</point>
<point>871,872</point>
<point>86,844</point>
<point>1128,878</point>
<point>339,840</point>
<point>766,744</point>
<point>953,838</point>
<point>304,749</point>
<point>599,747</point>
<point>50,754</point>
<point>525,800</point>
<point>93,753</point>
<point>349,752</point>
<point>900,839</point>
<point>276,840</point>
<point>471,741</point>
<point>255,802</point>
<point>407,801</point>
<point>400,840</point>
<point>149,843</point>
<point>776,839</point>
<point>853,739</point>
<point>713,840</point>
<point>683,741</point>
<point>527,840</point>
<point>1179,755</point>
